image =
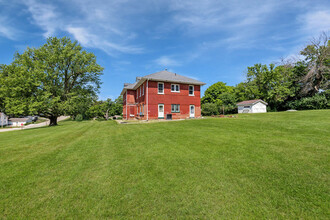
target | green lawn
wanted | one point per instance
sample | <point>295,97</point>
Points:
<point>273,165</point>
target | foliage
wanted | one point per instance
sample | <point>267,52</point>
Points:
<point>318,101</point>
<point>317,57</point>
<point>104,109</point>
<point>79,117</point>
<point>214,92</point>
<point>209,109</point>
<point>50,80</point>
<point>282,85</point>
<point>272,84</point>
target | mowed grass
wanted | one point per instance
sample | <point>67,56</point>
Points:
<point>273,165</point>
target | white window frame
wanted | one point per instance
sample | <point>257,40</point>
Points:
<point>158,88</point>
<point>143,90</point>
<point>137,93</point>
<point>193,90</point>
<point>175,87</point>
<point>176,108</point>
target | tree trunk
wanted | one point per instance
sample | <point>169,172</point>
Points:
<point>53,120</point>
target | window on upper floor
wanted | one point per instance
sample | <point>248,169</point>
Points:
<point>137,94</point>
<point>175,108</point>
<point>191,90</point>
<point>160,88</point>
<point>175,88</point>
<point>143,90</point>
<point>140,91</point>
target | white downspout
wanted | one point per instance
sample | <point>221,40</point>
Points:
<point>147,100</point>
<point>126,104</point>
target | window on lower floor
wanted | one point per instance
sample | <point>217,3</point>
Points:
<point>175,108</point>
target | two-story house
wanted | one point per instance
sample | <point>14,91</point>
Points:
<point>162,95</point>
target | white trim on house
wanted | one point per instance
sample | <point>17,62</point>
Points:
<point>192,113</point>
<point>158,88</point>
<point>161,114</point>
<point>176,86</point>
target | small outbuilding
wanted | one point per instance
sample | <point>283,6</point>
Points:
<point>252,106</point>
<point>16,122</point>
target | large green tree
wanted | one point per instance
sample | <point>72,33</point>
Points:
<point>47,79</point>
<point>270,83</point>
<point>214,93</point>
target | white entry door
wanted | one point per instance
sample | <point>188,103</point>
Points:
<point>160,110</point>
<point>192,111</point>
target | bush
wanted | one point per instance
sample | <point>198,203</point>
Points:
<point>100,119</point>
<point>229,109</point>
<point>318,101</point>
<point>79,117</point>
<point>209,109</point>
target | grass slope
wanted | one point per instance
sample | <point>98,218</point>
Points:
<point>273,165</point>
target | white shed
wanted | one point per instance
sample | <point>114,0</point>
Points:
<point>252,106</point>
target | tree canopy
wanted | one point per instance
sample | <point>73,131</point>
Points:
<point>286,85</point>
<point>49,80</point>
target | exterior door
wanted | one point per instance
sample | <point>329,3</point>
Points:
<point>160,110</point>
<point>192,111</point>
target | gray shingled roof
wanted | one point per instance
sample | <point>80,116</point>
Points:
<point>162,76</point>
<point>18,119</point>
<point>172,77</point>
<point>248,102</point>
<point>129,85</point>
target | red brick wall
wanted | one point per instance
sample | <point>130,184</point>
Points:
<point>168,98</point>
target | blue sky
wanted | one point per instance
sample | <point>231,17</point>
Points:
<point>209,40</point>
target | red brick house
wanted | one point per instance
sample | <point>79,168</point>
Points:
<point>162,95</point>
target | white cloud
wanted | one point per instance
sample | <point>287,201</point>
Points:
<point>7,31</point>
<point>91,40</point>
<point>316,21</point>
<point>166,61</point>
<point>45,16</point>
<point>91,25</point>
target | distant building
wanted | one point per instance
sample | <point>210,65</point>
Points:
<point>3,119</point>
<point>19,121</point>
<point>252,106</point>
<point>162,95</point>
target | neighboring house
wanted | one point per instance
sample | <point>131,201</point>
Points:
<point>19,121</point>
<point>252,106</point>
<point>162,95</point>
<point>3,119</point>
